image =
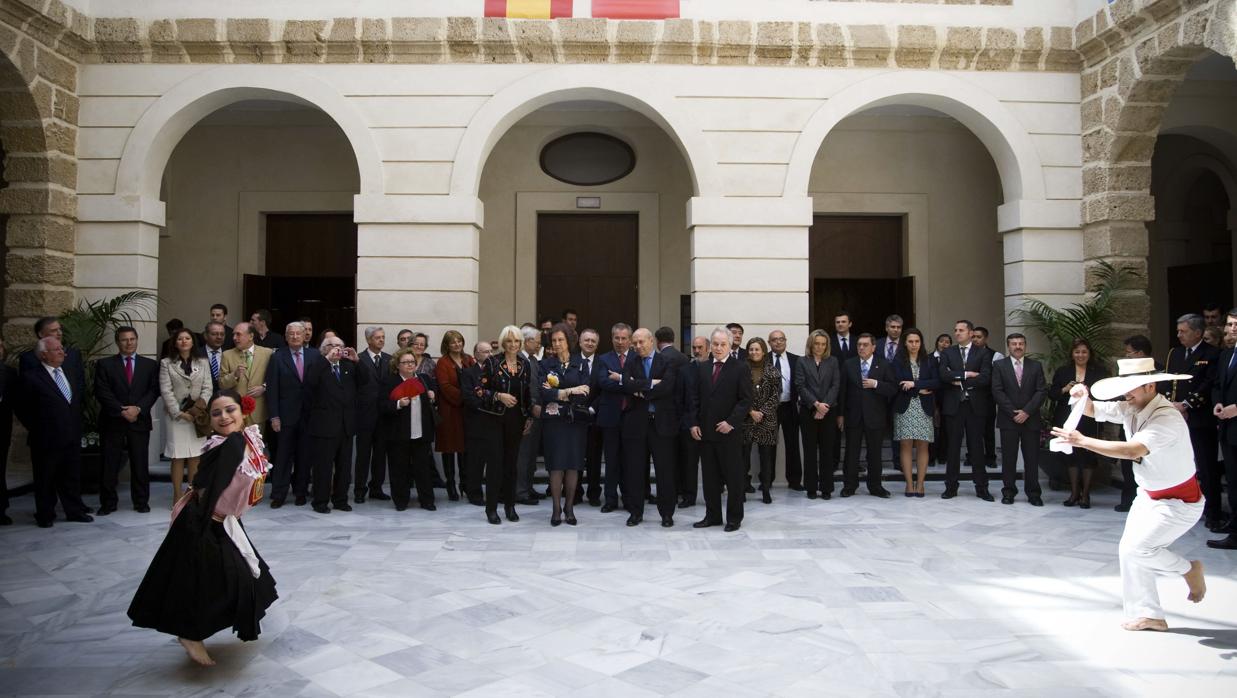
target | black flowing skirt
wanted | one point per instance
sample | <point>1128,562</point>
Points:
<point>199,584</point>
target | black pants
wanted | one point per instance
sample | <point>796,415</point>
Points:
<point>1230,482</point>
<point>972,423</point>
<point>332,468</point>
<point>292,465</point>
<point>939,448</point>
<point>766,463</point>
<point>612,447</point>
<point>591,477</point>
<point>1129,488</point>
<point>990,438</point>
<point>872,438</point>
<point>371,461</point>
<point>411,461</point>
<point>820,438</point>
<point>57,474</point>
<point>722,463</point>
<point>1205,441</point>
<point>635,472</point>
<point>788,421</point>
<point>1026,441</point>
<point>117,443</point>
<point>688,477</point>
<point>501,457</point>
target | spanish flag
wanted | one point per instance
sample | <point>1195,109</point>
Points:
<point>528,9</point>
<point>636,9</point>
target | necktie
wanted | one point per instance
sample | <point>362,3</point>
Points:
<point>843,345</point>
<point>717,369</point>
<point>588,366</point>
<point>1018,372</point>
<point>1230,359</point>
<point>889,349</point>
<point>335,368</point>
<point>623,402</point>
<point>1188,353</point>
<point>965,351</point>
<point>777,362</point>
<point>300,367</point>
<point>214,363</point>
<point>648,373</point>
<point>249,359</point>
<point>61,383</point>
<point>863,369</point>
<point>129,369</point>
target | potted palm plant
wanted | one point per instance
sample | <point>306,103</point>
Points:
<point>1091,318</point>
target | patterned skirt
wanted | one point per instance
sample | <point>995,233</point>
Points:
<point>914,423</point>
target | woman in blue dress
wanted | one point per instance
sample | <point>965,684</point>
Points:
<point>564,419</point>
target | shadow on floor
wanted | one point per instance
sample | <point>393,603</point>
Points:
<point>1219,638</point>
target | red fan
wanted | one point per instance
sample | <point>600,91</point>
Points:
<point>413,387</point>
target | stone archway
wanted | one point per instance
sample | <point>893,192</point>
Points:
<point>1135,61</point>
<point>38,201</point>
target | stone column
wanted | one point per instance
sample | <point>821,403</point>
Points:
<point>417,265</point>
<point>750,265</point>
<point>118,252</point>
<point>1043,249</point>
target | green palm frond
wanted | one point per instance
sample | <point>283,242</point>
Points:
<point>89,325</point>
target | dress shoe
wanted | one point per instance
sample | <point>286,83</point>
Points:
<point>359,498</point>
<point>322,509</point>
<point>528,501</point>
<point>492,517</point>
<point>667,521</point>
<point>826,495</point>
<point>476,501</point>
<point>949,494</point>
<point>5,520</point>
<point>882,493</point>
<point>985,495</point>
<point>749,489</point>
<point>452,493</point>
<point>608,507</point>
<point>1006,499</point>
<point>344,506</point>
<point>705,523</point>
<point>105,510</point>
<point>796,488</point>
<point>847,492</point>
<point>594,501</point>
<point>401,507</point>
<point>569,515</point>
<point>1229,543</point>
<point>1122,507</point>
<point>687,503</point>
<point>142,509</point>
<point>301,500</point>
<point>811,495</point>
<point>90,510</point>
<point>766,497</point>
<point>429,507</point>
<point>633,520</point>
<point>540,495</point>
<point>1072,501</point>
<point>80,518</point>
<point>1035,501</point>
<point>1216,525</point>
<point>380,496</point>
<point>512,516</point>
<point>731,527</point>
<point>276,503</point>
<point>43,524</point>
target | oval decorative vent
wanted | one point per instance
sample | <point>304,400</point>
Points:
<point>587,159</point>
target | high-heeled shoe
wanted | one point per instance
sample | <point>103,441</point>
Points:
<point>1072,501</point>
<point>766,497</point>
<point>492,517</point>
<point>511,515</point>
<point>1084,502</point>
<point>909,493</point>
<point>569,515</point>
<point>452,493</point>
<point>556,518</point>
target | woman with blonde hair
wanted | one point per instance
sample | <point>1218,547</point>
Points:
<point>503,399</point>
<point>817,382</point>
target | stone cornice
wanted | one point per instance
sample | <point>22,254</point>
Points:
<point>51,23</point>
<point>1119,25</point>
<point>495,40</point>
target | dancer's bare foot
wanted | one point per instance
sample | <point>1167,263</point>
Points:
<point>197,651</point>
<point>1194,578</point>
<point>1146,624</point>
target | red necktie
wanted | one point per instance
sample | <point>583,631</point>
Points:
<point>622,360</point>
<point>717,370</point>
<point>129,369</point>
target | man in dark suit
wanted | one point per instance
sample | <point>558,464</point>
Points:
<point>736,341</point>
<point>716,409</point>
<point>887,348</point>
<point>1193,398</point>
<point>371,442</point>
<point>676,360</point>
<point>126,386</point>
<point>788,407</point>
<point>285,399</point>
<point>594,442</point>
<point>332,385</point>
<point>50,407</point>
<point>219,314</point>
<point>843,347</point>
<point>868,384</point>
<point>1224,395</point>
<point>1019,389</point>
<point>966,385</point>
<point>214,345</point>
<point>73,364</point>
<point>688,477</point>
<point>263,335</point>
<point>650,426</point>
<point>608,404</point>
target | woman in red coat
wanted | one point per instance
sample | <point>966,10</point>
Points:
<point>449,436</point>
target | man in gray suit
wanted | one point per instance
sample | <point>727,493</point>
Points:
<point>1019,389</point>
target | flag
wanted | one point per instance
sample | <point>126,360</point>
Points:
<point>636,9</point>
<point>528,9</point>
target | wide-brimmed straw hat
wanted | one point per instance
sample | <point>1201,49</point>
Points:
<point>1132,373</point>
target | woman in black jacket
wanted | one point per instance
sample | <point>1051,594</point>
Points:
<point>1081,463</point>
<point>817,382</point>
<point>503,399</point>
<point>409,428</point>
<point>918,381</point>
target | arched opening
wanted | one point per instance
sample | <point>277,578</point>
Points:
<point>1193,181</point>
<point>905,202</point>
<point>617,251</point>
<point>259,216</point>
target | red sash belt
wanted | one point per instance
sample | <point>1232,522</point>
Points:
<point>1187,492</point>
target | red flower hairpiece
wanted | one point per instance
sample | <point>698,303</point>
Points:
<point>248,405</point>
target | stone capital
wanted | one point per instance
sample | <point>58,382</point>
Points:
<point>121,208</point>
<point>1025,213</point>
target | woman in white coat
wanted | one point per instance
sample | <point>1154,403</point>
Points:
<point>185,383</point>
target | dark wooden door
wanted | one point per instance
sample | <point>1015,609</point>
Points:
<point>310,272</point>
<point>1192,285</point>
<point>589,262</point>
<point>856,265</point>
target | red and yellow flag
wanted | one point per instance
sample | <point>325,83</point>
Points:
<point>528,9</point>
<point>636,9</point>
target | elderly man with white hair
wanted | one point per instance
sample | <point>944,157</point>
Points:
<point>716,407</point>
<point>333,385</point>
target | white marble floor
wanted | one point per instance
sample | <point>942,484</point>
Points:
<point>851,597</point>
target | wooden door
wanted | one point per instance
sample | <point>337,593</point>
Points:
<point>856,265</point>
<point>589,262</point>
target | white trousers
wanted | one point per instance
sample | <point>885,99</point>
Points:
<point>1152,525</point>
